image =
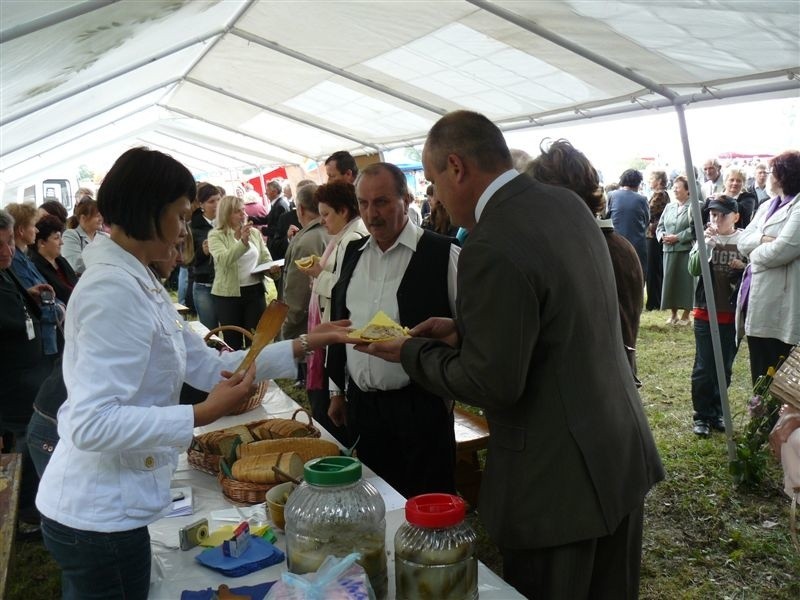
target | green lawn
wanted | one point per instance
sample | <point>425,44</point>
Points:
<point>703,537</point>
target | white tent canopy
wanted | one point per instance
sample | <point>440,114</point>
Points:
<point>227,85</point>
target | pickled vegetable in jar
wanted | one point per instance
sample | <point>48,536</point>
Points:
<point>335,512</point>
<point>435,551</point>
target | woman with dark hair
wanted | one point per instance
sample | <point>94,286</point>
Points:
<point>54,208</point>
<point>659,200</point>
<point>562,164</point>
<point>203,264</point>
<point>45,253</point>
<point>630,214</point>
<point>127,354</point>
<point>83,227</point>
<point>23,267</point>
<point>769,298</point>
<point>338,210</point>
<point>674,231</point>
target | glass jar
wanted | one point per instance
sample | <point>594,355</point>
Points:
<point>435,551</point>
<point>335,512</point>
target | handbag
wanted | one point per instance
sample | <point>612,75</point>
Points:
<point>785,384</point>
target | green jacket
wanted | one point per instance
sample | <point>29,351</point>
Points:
<point>226,251</point>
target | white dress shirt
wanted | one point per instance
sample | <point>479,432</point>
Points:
<point>126,354</point>
<point>373,287</point>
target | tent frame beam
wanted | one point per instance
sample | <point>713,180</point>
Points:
<point>53,18</point>
<point>379,87</point>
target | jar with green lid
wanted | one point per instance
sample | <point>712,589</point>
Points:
<point>335,512</point>
<point>435,551</point>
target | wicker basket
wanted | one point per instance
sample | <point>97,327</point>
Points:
<point>786,384</point>
<point>261,387</point>
<point>209,463</point>
<point>244,491</point>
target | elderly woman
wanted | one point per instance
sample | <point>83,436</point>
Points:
<point>674,231</point>
<point>84,226</point>
<point>563,165</point>
<point>237,248</point>
<point>51,308</point>
<point>769,297</point>
<point>747,200</point>
<point>121,426</point>
<point>46,255</point>
<point>659,199</point>
<point>338,210</point>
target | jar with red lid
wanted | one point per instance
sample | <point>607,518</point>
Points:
<point>435,550</point>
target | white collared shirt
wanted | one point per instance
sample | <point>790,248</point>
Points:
<point>126,354</point>
<point>490,190</point>
<point>373,287</point>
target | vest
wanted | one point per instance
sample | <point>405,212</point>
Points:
<point>422,292</point>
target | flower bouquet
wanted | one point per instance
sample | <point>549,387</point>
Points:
<point>752,451</point>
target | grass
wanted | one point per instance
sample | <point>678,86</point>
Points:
<point>703,537</point>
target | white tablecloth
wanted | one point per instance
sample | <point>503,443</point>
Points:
<point>175,570</point>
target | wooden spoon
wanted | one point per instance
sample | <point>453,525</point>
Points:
<point>269,325</point>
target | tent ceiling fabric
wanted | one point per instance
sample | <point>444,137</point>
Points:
<point>230,84</point>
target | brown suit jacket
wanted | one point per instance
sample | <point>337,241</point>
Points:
<point>570,453</point>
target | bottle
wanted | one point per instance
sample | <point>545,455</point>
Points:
<point>435,550</point>
<point>335,512</point>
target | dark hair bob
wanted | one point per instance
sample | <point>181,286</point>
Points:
<point>139,187</point>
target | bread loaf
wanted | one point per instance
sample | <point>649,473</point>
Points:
<point>258,468</point>
<point>281,428</point>
<point>307,448</point>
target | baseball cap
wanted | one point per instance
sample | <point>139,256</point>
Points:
<point>724,204</point>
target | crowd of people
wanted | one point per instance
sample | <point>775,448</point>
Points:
<point>486,254</point>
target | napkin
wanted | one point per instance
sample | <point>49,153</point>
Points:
<point>256,592</point>
<point>259,555</point>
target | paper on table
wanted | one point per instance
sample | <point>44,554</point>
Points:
<point>263,267</point>
<point>182,506</point>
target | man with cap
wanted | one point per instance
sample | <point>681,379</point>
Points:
<point>727,266</point>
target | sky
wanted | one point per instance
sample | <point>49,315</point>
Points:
<point>767,126</point>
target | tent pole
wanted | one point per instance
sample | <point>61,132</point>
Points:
<point>705,272</point>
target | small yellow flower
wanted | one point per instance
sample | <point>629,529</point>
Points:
<point>770,371</point>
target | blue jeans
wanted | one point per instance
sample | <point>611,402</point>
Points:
<point>98,565</point>
<point>183,284</point>
<point>705,389</point>
<point>42,439</point>
<point>204,305</point>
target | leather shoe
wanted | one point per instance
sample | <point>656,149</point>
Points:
<point>718,424</point>
<point>701,429</point>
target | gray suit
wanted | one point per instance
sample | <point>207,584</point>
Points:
<point>571,453</point>
<point>312,239</point>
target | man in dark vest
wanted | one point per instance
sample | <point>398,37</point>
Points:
<point>406,433</point>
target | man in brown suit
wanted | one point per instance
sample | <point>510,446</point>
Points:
<point>536,343</point>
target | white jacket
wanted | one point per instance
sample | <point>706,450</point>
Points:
<point>126,355</point>
<point>774,306</point>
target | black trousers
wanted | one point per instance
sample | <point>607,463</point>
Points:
<point>244,311</point>
<point>765,353</point>
<point>320,402</point>
<point>600,568</point>
<point>406,437</point>
<point>655,274</point>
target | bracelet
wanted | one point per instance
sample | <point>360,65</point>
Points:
<point>304,344</point>
<point>335,393</point>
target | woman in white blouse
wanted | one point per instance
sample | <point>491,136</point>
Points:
<point>127,353</point>
<point>237,248</point>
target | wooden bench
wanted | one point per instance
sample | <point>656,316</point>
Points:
<point>10,480</point>
<point>472,435</point>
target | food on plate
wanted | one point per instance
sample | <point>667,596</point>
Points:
<point>380,328</point>
<point>306,261</point>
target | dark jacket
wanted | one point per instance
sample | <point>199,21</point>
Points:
<point>279,206</point>
<point>279,243</point>
<point>570,453</point>
<point>203,264</point>
<point>62,290</point>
